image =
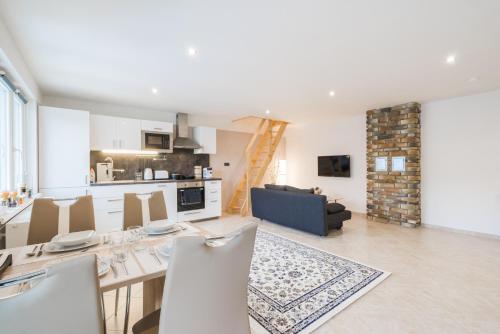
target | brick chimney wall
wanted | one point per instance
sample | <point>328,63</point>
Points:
<point>394,197</point>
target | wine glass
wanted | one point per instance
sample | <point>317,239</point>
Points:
<point>135,235</point>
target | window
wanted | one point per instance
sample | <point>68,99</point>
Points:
<point>12,139</point>
<point>3,137</point>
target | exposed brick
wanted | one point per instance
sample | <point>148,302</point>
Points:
<point>394,197</point>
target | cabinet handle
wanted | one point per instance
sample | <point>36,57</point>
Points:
<point>191,213</point>
<point>162,186</point>
<point>213,191</point>
<point>159,129</point>
<point>121,142</point>
<point>115,200</point>
<point>214,201</point>
<point>117,211</point>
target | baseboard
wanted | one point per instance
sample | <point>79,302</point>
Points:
<point>460,231</point>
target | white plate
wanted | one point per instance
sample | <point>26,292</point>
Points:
<point>56,248</point>
<point>166,249</point>
<point>158,226</point>
<point>171,230</point>
<point>73,239</point>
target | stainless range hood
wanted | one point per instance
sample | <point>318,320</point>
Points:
<point>182,139</point>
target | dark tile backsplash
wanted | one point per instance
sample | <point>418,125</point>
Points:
<point>181,161</point>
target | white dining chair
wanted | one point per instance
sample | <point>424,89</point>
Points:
<point>206,286</point>
<point>66,300</point>
<point>137,212</point>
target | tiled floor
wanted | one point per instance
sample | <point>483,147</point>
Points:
<point>441,282</point>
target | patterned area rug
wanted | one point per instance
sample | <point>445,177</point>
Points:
<point>294,288</point>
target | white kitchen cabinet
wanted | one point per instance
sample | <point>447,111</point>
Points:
<point>108,202</point>
<point>207,138</point>
<point>63,144</point>
<point>213,198</point>
<point>102,132</point>
<point>128,132</point>
<point>156,126</point>
<point>114,133</point>
<point>64,192</point>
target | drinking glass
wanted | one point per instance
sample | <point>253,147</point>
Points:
<point>119,246</point>
<point>135,235</point>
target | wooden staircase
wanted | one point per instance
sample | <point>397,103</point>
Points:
<point>258,155</point>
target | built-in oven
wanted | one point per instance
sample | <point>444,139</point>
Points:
<point>161,142</point>
<point>190,195</point>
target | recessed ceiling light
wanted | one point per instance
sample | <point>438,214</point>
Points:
<point>154,90</point>
<point>331,93</point>
<point>191,51</point>
<point>451,59</point>
<point>473,79</point>
<point>268,112</point>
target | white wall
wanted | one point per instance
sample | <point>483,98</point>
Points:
<point>461,163</point>
<point>343,135</point>
<point>109,109</point>
<point>13,62</point>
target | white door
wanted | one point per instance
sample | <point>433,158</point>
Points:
<point>128,133</point>
<point>64,149</point>
<point>103,133</point>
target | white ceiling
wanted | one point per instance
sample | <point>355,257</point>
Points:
<point>256,55</point>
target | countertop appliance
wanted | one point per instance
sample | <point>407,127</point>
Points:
<point>104,171</point>
<point>208,173</point>
<point>190,195</point>
<point>161,142</point>
<point>148,174</point>
<point>161,175</point>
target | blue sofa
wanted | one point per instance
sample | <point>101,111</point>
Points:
<point>298,208</point>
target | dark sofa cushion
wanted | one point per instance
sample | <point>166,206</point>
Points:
<point>274,187</point>
<point>298,190</point>
<point>334,208</point>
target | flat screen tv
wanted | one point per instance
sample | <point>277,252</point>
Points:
<point>334,165</point>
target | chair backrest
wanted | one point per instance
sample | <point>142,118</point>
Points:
<point>206,286</point>
<point>132,211</point>
<point>81,215</point>
<point>65,301</point>
<point>44,221</point>
<point>157,207</point>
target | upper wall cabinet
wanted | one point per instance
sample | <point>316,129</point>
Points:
<point>207,138</point>
<point>156,126</point>
<point>116,133</point>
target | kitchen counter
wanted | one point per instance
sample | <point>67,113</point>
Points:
<point>122,182</point>
<point>6,214</point>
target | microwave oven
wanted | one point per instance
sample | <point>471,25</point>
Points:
<point>161,142</point>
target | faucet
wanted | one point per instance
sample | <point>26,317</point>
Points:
<point>113,170</point>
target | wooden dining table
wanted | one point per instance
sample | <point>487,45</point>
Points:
<point>140,267</point>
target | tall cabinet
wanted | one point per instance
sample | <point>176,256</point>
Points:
<point>63,146</point>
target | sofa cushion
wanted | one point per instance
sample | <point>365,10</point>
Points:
<point>274,187</point>
<point>298,190</point>
<point>334,207</point>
